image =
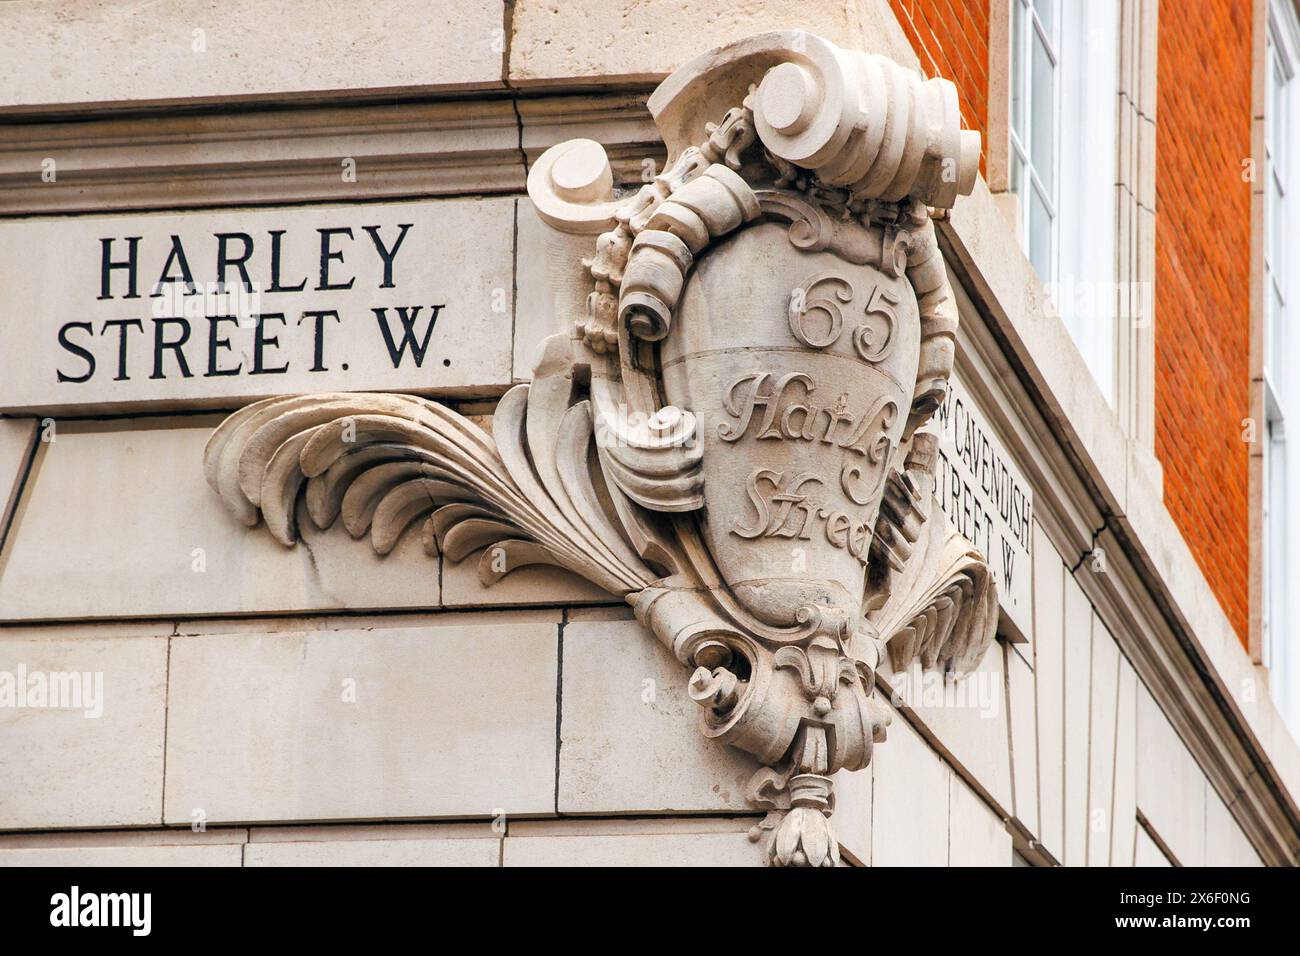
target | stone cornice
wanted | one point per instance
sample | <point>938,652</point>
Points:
<point>291,155</point>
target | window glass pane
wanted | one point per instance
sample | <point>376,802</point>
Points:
<point>1277,132</point>
<point>1275,514</point>
<point>1087,110</point>
<point>1046,10</point>
<point>1040,235</point>
<point>1041,120</point>
<point>1276,345</point>
<point>1276,227</point>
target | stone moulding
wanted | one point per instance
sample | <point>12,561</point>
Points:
<point>733,433</point>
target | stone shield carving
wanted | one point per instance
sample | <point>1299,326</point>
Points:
<point>732,434</point>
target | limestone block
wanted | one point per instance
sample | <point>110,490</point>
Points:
<point>706,842</point>
<point>382,723</point>
<point>557,41</point>
<point>344,297</point>
<point>1225,843</point>
<point>967,717</point>
<point>629,733</point>
<point>68,767</point>
<point>1124,825</point>
<point>550,292</point>
<point>1024,740</point>
<point>393,845</point>
<point>64,839</point>
<point>1148,851</point>
<point>16,445</point>
<point>909,822</point>
<point>218,854</point>
<point>86,53</point>
<point>1171,789</point>
<point>1102,717</point>
<point>976,836</point>
<point>135,519</point>
<point>535,584</point>
<point>852,819</point>
<point>1049,675</point>
<point>1078,682</point>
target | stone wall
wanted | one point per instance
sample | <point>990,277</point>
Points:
<point>327,705</point>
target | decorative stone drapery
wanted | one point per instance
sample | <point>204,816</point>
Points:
<point>732,434</point>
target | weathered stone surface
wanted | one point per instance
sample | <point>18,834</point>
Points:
<point>536,584</point>
<point>1024,739</point>
<point>1079,635</point>
<point>181,836</point>
<point>1148,852</point>
<point>136,52</point>
<point>550,292</point>
<point>705,842</point>
<point>1049,688</point>
<point>138,558</point>
<point>968,718</point>
<point>554,41</point>
<point>628,733</point>
<point>1225,843</point>
<point>17,436</point>
<point>374,846</point>
<point>262,727</point>
<point>1102,716</point>
<point>1171,789</point>
<point>853,797</point>
<point>1125,825</point>
<point>389,295</point>
<point>67,767</point>
<point>909,822</point>
<point>113,856</point>
<point>976,837</point>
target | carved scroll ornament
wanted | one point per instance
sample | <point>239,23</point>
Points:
<point>732,434</point>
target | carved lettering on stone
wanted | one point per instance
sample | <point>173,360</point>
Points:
<point>734,436</point>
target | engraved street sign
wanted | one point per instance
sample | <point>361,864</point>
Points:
<point>988,500</point>
<point>220,308</point>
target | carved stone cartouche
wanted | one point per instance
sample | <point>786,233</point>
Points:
<point>731,434</point>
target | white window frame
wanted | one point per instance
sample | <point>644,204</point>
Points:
<point>1026,27</point>
<point>1280,650</point>
<point>1078,263</point>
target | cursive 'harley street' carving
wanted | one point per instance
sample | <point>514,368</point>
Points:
<point>733,434</point>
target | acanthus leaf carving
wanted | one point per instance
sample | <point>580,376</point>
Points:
<point>730,436</point>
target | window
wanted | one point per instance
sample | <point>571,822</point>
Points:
<point>1062,157</point>
<point>1281,637</point>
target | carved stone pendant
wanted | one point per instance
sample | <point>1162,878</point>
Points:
<point>731,434</point>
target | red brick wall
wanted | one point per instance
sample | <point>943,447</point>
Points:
<point>951,38</point>
<point>1202,255</point>
<point>1202,286</point>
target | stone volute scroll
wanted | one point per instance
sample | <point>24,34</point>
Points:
<point>731,433</point>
